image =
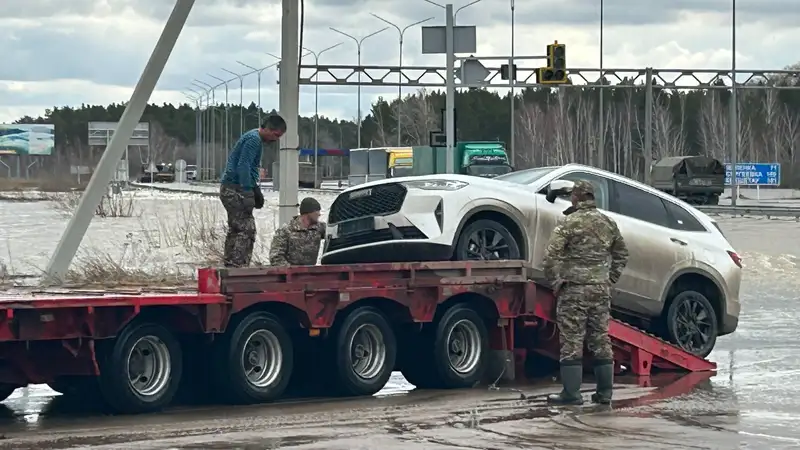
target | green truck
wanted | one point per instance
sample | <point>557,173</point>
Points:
<point>483,159</point>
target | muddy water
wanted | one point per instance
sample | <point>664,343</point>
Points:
<point>753,401</point>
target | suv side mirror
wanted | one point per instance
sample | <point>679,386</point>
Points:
<point>558,188</point>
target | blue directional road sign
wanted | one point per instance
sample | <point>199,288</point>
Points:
<point>755,174</point>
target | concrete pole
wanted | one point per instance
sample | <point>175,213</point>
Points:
<point>71,239</point>
<point>450,94</point>
<point>289,108</point>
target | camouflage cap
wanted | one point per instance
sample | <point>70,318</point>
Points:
<point>583,187</point>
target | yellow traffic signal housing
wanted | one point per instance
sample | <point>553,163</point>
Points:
<point>556,70</point>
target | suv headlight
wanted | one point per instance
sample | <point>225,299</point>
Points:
<point>436,185</point>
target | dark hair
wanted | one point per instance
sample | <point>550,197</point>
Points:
<point>274,122</point>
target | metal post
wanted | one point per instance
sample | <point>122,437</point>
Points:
<point>402,32</point>
<point>227,127</point>
<point>648,123</point>
<point>205,121</point>
<point>512,77</point>
<point>450,95</point>
<point>358,48</point>
<point>316,103</point>
<point>601,136</point>
<point>241,99</point>
<point>733,121</point>
<point>210,149</point>
<point>289,108</point>
<point>82,217</point>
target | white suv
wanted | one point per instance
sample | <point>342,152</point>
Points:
<point>682,278</point>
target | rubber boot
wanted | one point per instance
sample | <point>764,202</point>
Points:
<point>604,374</point>
<point>571,378</point>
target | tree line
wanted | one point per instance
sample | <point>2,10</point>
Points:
<point>552,126</point>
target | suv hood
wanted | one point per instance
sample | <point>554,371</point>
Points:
<point>490,183</point>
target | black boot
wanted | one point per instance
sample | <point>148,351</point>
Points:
<point>571,377</point>
<point>604,374</point>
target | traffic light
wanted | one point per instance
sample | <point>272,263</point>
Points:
<point>556,70</point>
<point>506,73</point>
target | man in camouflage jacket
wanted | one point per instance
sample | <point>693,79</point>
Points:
<point>297,242</point>
<point>584,258</point>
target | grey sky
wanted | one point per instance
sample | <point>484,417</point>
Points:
<point>90,51</point>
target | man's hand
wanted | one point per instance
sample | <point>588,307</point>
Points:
<point>258,198</point>
<point>248,199</point>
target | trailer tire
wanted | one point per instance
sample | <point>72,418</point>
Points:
<point>259,340</point>
<point>158,355</point>
<point>460,334</point>
<point>366,351</point>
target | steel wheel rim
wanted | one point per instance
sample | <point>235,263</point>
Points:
<point>693,325</point>
<point>148,366</point>
<point>487,244</point>
<point>367,351</point>
<point>464,346</point>
<point>262,358</point>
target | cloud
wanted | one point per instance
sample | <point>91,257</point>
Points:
<point>93,51</point>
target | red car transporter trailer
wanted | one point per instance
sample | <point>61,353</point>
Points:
<point>246,333</point>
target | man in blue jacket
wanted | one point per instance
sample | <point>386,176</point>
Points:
<point>240,192</point>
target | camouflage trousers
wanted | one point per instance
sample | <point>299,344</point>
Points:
<point>583,312</point>
<point>241,236</point>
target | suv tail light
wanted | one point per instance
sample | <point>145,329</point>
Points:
<point>736,258</point>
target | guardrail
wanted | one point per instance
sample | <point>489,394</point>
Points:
<point>768,211</point>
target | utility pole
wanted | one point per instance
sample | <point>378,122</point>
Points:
<point>289,108</point>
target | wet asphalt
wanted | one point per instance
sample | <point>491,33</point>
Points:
<point>753,401</point>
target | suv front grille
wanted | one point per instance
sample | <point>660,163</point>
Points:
<point>369,237</point>
<point>381,200</point>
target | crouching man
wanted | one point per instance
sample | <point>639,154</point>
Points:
<point>297,242</point>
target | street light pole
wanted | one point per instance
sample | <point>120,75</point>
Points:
<point>402,32</point>
<point>450,82</point>
<point>201,143</point>
<point>733,125</point>
<point>316,102</point>
<point>601,137</point>
<point>241,99</point>
<point>358,48</point>
<point>258,76</point>
<point>211,147</point>
<point>512,76</point>
<point>199,125</point>
<point>226,129</point>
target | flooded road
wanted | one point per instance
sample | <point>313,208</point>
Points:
<point>752,402</point>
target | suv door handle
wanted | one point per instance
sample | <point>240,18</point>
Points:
<point>678,241</point>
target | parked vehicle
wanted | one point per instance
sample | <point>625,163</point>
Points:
<point>191,172</point>
<point>698,180</point>
<point>305,170</point>
<point>157,173</point>
<point>482,159</point>
<point>681,267</point>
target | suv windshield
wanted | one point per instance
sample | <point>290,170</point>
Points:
<point>527,176</point>
<point>485,170</point>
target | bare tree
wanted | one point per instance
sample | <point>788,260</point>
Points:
<point>418,118</point>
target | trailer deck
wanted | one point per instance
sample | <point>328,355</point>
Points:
<point>267,328</point>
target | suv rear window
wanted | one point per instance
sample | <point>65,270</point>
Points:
<point>716,225</point>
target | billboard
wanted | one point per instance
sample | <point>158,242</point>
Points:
<point>27,139</point>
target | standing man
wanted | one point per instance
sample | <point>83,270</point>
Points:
<point>240,192</point>
<point>297,242</point>
<point>584,258</point>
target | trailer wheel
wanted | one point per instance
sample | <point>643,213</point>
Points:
<point>366,350</point>
<point>6,390</point>
<point>142,370</point>
<point>257,360</point>
<point>460,347</point>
